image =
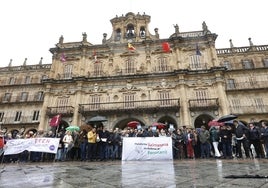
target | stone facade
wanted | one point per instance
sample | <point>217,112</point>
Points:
<point>133,75</point>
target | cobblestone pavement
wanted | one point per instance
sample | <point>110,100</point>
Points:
<point>178,173</point>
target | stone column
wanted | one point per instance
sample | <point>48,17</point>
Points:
<point>44,120</point>
<point>185,113</point>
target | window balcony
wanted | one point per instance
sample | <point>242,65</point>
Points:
<point>247,85</point>
<point>23,120</point>
<point>18,99</point>
<point>250,110</point>
<point>66,111</point>
<point>204,104</point>
<point>131,106</point>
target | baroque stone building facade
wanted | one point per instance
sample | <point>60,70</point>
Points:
<point>132,76</point>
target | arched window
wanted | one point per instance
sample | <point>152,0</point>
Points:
<point>118,34</point>
<point>142,32</point>
<point>130,31</point>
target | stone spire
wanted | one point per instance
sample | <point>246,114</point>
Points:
<point>231,43</point>
<point>250,42</point>
<point>10,63</point>
<point>25,61</point>
<point>84,37</point>
<point>41,61</point>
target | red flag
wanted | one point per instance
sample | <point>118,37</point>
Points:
<point>131,47</point>
<point>55,121</point>
<point>166,47</point>
<point>63,58</point>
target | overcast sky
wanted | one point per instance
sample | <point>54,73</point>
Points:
<point>30,27</point>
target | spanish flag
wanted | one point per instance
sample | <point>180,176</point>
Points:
<point>131,47</point>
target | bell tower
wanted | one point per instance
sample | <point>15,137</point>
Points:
<point>130,28</point>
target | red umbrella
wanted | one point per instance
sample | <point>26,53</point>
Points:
<point>215,123</point>
<point>159,125</point>
<point>133,124</point>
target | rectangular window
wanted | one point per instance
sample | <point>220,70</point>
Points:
<point>195,63</point>
<point>68,71</point>
<point>202,96</point>
<point>11,81</point>
<point>18,116</point>
<point>265,62</point>
<point>162,64</point>
<point>97,69</point>
<point>164,97</point>
<point>35,115</point>
<point>247,64</point>
<point>130,68</point>
<point>95,102</point>
<point>24,96</point>
<point>27,80</point>
<point>7,97</point>
<point>259,103</point>
<point>62,105</point>
<point>2,116</point>
<point>236,104</point>
<point>230,84</point>
<point>129,101</point>
<point>227,65</point>
<point>39,96</point>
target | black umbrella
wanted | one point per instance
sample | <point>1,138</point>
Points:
<point>227,118</point>
<point>97,119</point>
<point>231,122</point>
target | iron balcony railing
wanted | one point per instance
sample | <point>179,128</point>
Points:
<point>63,110</point>
<point>20,99</point>
<point>246,85</point>
<point>201,104</point>
<point>131,106</point>
<point>261,109</point>
<point>20,120</point>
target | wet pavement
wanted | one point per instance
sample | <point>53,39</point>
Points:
<point>113,174</point>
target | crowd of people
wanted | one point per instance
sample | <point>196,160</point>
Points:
<point>100,144</point>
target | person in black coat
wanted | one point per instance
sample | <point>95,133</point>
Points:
<point>264,135</point>
<point>242,137</point>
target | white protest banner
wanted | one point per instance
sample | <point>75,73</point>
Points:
<point>147,148</point>
<point>47,145</point>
